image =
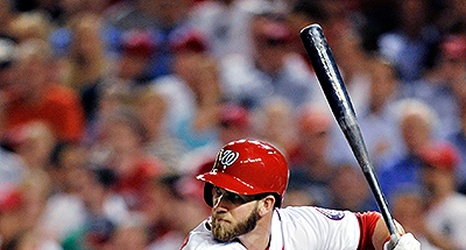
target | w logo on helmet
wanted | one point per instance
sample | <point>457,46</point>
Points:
<point>228,157</point>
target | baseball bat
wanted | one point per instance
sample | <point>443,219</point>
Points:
<point>340,103</point>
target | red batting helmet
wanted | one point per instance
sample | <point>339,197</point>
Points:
<point>247,167</point>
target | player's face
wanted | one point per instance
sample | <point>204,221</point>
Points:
<point>233,215</point>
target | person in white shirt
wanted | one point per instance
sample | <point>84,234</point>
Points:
<point>445,216</point>
<point>245,189</point>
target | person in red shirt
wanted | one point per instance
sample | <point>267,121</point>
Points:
<point>35,96</point>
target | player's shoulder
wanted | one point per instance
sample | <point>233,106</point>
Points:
<point>201,238</point>
<point>313,213</point>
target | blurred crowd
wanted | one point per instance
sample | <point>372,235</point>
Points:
<point>110,108</point>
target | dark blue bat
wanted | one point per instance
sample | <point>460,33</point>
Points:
<point>340,103</point>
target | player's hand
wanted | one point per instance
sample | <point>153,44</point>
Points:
<point>406,242</point>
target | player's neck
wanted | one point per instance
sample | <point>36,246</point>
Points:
<point>258,239</point>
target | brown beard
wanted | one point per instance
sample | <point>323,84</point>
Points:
<point>225,234</point>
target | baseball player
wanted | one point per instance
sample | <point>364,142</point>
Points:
<point>245,189</point>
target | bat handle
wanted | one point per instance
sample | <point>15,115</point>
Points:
<point>381,200</point>
<point>394,238</point>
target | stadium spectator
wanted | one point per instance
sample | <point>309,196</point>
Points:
<point>445,215</point>
<point>133,166</point>
<point>171,17</point>
<point>377,120</point>
<point>169,224</point>
<point>86,64</point>
<point>225,24</point>
<point>436,87</point>
<point>274,121</point>
<point>234,122</point>
<point>152,109</point>
<point>101,208</point>
<point>451,15</point>
<point>131,234</point>
<point>409,206</point>
<point>64,212</point>
<point>34,143</point>
<point>12,207</point>
<point>459,137</point>
<point>417,123</point>
<point>193,92</point>
<point>409,46</point>
<point>38,98</point>
<point>12,167</point>
<point>347,191</point>
<point>31,25</point>
<point>7,14</point>
<point>310,168</point>
<point>272,71</point>
<point>137,49</point>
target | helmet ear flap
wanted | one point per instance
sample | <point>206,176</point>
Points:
<point>278,200</point>
<point>208,198</point>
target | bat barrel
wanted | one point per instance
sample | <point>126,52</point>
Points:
<point>340,103</point>
<point>326,71</point>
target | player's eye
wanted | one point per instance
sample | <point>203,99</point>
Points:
<point>235,198</point>
<point>216,191</point>
<point>231,197</point>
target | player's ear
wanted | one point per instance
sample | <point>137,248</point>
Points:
<point>267,204</point>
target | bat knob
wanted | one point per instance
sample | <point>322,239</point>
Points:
<point>307,29</point>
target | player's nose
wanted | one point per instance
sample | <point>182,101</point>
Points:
<point>217,200</point>
<point>220,204</point>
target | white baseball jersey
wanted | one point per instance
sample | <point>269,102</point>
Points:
<point>306,228</point>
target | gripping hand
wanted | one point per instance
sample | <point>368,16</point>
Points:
<point>406,242</point>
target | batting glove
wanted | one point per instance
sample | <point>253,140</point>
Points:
<point>406,242</point>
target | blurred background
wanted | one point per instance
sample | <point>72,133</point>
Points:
<point>110,108</point>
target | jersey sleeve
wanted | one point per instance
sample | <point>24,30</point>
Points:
<point>319,228</point>
<point>367,222</point>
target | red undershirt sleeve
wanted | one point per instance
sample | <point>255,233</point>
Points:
<point>367,222</point>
